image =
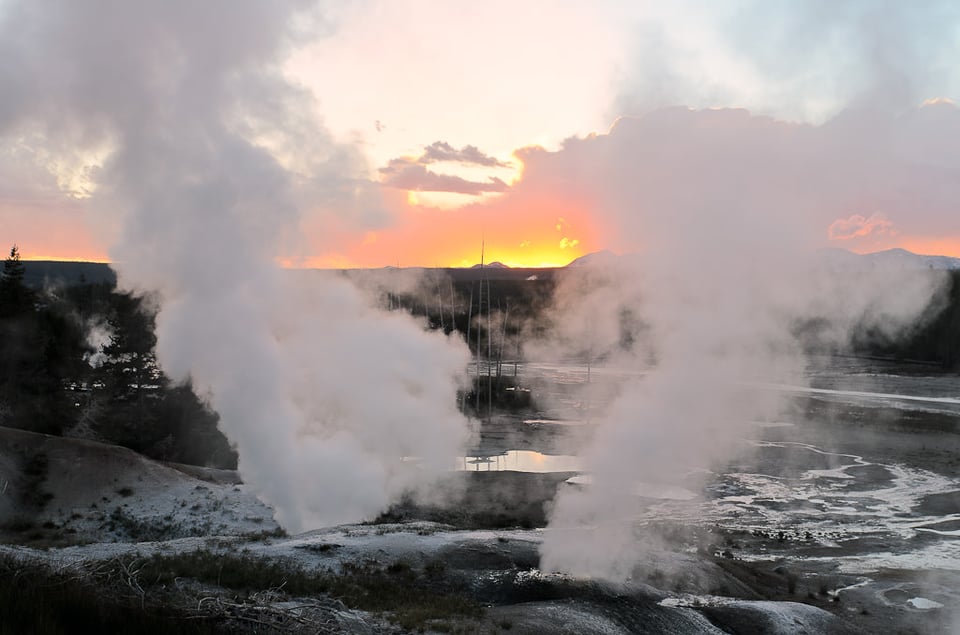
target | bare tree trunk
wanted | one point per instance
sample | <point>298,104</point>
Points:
<point>516,360</point>
<point>479,321</point>
<point>453,307</point>
<point>469,320</point>
<point>469,316</point>
<point>503,337</point>
<point>443,326</point>
<point>489,354</point>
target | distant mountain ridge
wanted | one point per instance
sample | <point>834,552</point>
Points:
<point>496,264</point>
<point>603,256</point>
<point>895,258</point>
<point>39,273</point>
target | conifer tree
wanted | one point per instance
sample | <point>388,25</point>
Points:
<point>14,295</point>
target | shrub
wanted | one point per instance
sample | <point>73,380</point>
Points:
<point>38,600</point>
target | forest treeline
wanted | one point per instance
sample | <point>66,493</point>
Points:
<point>78,359</point>
<point>935,339</point>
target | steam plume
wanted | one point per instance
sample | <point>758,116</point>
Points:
<point>211,162</point>
<point>725,210</point>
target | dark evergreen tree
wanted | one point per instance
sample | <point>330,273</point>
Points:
<point>41,348</point>
<point>128,384</point>
<point>138,406</point>
<point>15,298</point>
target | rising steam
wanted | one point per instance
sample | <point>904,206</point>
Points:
<point>725,211</point>
<point>211,162</point>
<point>175,124</point>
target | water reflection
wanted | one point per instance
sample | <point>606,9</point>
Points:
<point>519,461</point>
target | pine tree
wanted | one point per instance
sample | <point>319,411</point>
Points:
<point>13,268</point>
<point>14,295</point>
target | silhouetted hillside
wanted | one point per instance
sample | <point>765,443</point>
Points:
<point>41,272</point>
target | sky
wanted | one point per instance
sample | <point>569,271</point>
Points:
<point>451,127</point>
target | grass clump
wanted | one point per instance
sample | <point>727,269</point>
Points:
<point>139,595</point>
<point>238,572</point>
<point>40,601</point>
<point>138,529</point>
<point>397,591</point>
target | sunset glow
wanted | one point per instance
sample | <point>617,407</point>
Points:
<point>514,233</point>
<point>931,246</point>
<point>417,155</point>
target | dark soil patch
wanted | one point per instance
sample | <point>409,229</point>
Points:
<point>487,500</point>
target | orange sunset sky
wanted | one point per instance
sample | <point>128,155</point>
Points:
<point>538,132</point>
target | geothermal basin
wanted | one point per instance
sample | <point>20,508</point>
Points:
<point>854,491</point>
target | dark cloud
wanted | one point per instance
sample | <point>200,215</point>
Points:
<point>440,151</point>
<point>443,152</point>
<point>413,176</point>
<point>410,173</point>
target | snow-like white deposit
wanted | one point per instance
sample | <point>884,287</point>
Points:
<point>924,604</point>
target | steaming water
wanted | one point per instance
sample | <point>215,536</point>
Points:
<point>857,498</point>
<point>821,506</point>
<point>659,491</point>
<point>948,405</point>
<point>843,506</point>
<point>578,392</point>
<point>519,461</point>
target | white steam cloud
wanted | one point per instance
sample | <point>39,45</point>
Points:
<point>212,163</point>
<point>725,211</point>
<point>176,122</point>
<point>718,336</point>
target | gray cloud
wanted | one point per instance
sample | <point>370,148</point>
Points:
<point>413,176</point>
<point>411,173</point>
<point>439,151</point>
<point>797,59</point>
